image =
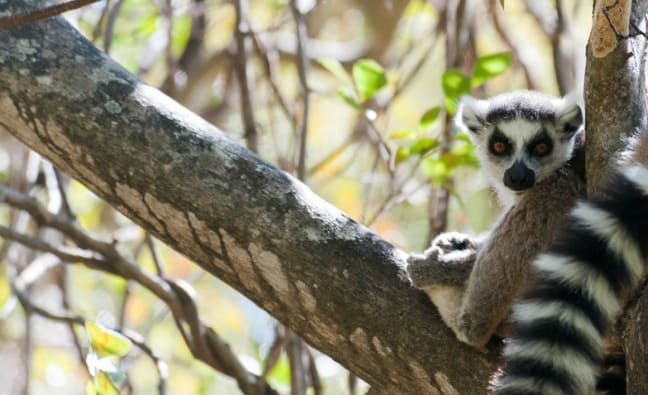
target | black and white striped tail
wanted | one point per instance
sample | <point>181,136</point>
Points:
<point>556,345</point>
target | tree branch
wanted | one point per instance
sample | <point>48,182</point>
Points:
<point>37,15</point>
<point>241,67</point>
<point>326,277</point>
<point>202,341</point>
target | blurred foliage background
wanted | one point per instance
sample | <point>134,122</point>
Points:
<point>354,97</point>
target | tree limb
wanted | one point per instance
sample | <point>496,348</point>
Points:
<point>327,278</point>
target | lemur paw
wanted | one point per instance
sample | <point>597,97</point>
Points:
<point>442,266</point>
<point>454,241</point>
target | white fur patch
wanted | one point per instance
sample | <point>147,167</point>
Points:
<point>638,174</point>
<point>580,276</point>
<point>563,359</point>
<point>611,229</point>
<point>524,385</point>
<point>568,315</point>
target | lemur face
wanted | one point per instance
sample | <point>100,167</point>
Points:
<point>521,137</point>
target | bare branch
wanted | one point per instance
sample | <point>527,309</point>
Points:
<point>268,58</point>
<point>110,24</point>
<point>509,38</point>
<point>64,253</point>
<point>302,70</point>
<point>75,319</point>
<point>203,342</point>
<point>241,65</point>
<point>44,13</point>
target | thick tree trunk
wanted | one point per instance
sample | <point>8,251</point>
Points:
<point>615,109</point>
<point>329,279</point>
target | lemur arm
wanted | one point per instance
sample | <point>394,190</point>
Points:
<point>448,261</point>
<point>474,304</point>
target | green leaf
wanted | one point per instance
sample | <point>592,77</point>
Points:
<point>369,77</point>
<point>104,386</point>
<point>107,342</point>
<point>423,145</point>
<point>429,117</point>
<point>181,34</point>
<point>455,84</point>
<point>280,373</point>
<point>436,170</point>
<point>402,154</point>
<point>348,96</point>
<point>463,149</point>
<point>490,66</point>
<point>335,67</point>
<point>463,136</point>
<point>402,134</point>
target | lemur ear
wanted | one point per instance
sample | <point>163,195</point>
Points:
<point>569,117</point>
<point>471,115</point>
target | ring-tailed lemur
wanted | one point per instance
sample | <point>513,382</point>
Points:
<point>581,285</point>
<point>524,143</point>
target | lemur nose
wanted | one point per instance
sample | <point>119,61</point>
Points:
<point>519,177</point>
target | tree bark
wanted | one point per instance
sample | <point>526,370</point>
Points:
<point>615,109</point>
<point>329,279</point>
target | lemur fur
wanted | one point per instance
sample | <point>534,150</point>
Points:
<point>580,286</point>
<point>524,141</point>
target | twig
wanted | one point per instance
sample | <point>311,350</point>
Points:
<point>352,383</point>
<point>97,29</point>
<point>295,350</point>
<point>44,13</point>
<point>395,194</point>
<point>438,213</point>
<point>339,150</point>
<point>66,254</point>
<point>203,342</point>
<point>65,203</point>
<point>240,60</point>
<point>160,364</point>
<point>172,66</point>
<point>63,284</point>
<point>272,357</point>
<point>563,73</point>
<point>383,149</point>
<point>316,382</point>
<point>110,25</point>
<point>267,61</point>
<point>367,192</point>
<point>508,38</point>
<point>28,351</point>
<point>439,203</point>
<point>155,254</point>
<point>302,70</point>
<point>191,55</point>
<point>58,196</point>
<point>75,319</point>
<point>404,83</point>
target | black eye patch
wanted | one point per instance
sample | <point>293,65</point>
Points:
<point>499,144</point>
<point>541,145</point>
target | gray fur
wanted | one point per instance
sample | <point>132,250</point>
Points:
<point>474,286</point>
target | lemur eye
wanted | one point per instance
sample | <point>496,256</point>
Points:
<point>499,147</point>
<point>541,149</point>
